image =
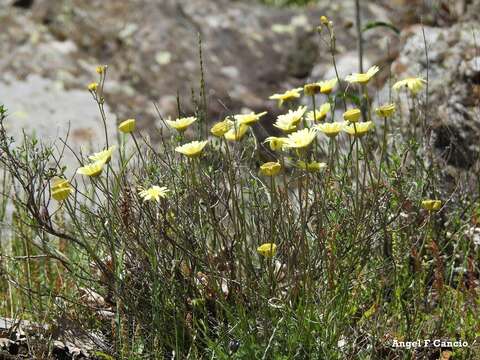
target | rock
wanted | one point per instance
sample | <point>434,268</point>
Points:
<point>54,113</point>
<point>347,63</point>
<point>454,85</point>
<point>249,50</point>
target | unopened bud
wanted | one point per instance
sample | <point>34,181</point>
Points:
<point>311,89</point>
<point>100,69</point>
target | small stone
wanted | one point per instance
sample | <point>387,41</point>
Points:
<point>233,346</point>
<point>163,57</point>
<point>128,31</point>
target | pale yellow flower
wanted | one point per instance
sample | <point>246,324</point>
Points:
<point>248,119</point>
<point>92,170</point>
<point>93,86</point>
<point>192,149</point>
<point>153,193</point>
<point>352,115</point>
<point>331,129</point>
<point>237,132</point>
<point>432,205</point>
<point>287,95</point>
<point>386,110</point>
<point>276,143</point>
<point>414,84</point>
<point>327,86</point>
<point>61,189</point>
<point>358,129</point>
<point>313,166</point>
<point>270,168</point>
<point>363,78</point>
<point>320,114</point>
<point>267,249</point>
<point>289,121</point>
<point>127,126</point>
<point>301,138</point>
<point>181,124</point>
<point>285,124</point>
<point>220,128</point>
<point>98,160</point>
<point>103,156</point>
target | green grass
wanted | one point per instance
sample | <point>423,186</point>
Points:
<point>359,260</point>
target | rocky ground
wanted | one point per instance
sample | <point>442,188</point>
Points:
<point>49,50</point>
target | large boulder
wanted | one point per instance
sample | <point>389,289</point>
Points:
<point>152,49</point>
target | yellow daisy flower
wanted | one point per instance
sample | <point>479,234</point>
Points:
<point>92,170</point>
<point>276,143</point>
<point>153,193</point>
<point>237,132</point>
<point>270,168</point>
<point>313,166</point>
<point>414,84</point>
<point>103,156</point>
<point>301,138</point>
<point>327,86</point>
<point>432,205</point>
<point>220,128</point>
<point>267,249</point>
<point>363,78</point>
<point>386,110</point>
<point>248,119</point>
<point>352,115</point>
<point>127,126</point>
<point>286,96</point>
<point>181,124</point>
<point>285,124</point>
<point>331,129</point>
<point>289,121</point>
<point>320,114</point>
<point>192,149</point>
<point>61,189</point>
<point>358,129</point>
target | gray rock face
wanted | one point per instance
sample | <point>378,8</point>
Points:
<point>249,51</point>
<point>454,86</point>
<point>152,50</point>
<point>43,108</point>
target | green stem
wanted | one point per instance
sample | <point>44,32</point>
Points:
<point>359,34</point>
<point>357,171</point>
<point>139,150</point>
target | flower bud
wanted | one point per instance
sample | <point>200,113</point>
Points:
<point>311,89</point>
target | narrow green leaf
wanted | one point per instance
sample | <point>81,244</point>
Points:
<point>375,24</point>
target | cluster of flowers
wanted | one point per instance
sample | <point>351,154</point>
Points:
<point>299,139</point>
<point>236,127</point>
<point>302,138</point>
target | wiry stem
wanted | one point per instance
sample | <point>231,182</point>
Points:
<point>359,34</point>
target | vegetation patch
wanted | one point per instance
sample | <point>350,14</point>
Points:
<point>334,238</point>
